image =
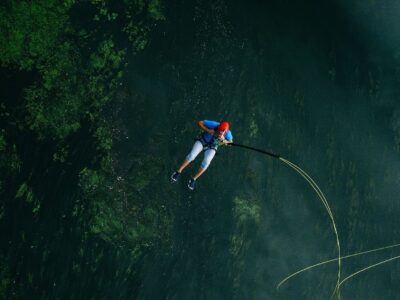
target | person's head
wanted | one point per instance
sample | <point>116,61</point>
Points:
<point>223,128</point>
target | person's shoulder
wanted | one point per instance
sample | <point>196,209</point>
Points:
<point>210,123</point>
<point>229,135</point>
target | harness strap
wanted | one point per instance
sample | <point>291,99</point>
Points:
<point>206,145</point>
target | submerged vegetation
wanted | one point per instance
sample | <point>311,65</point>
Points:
<point>66,71</point>
<point>86,209</point>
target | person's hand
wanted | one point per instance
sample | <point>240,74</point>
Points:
<point>211,131</point>
<point>221,138</point>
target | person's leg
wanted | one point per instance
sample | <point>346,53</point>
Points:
<point>199,173</point>
<point>208,156</point>
<point>184,165</point>
<point>196,149</point>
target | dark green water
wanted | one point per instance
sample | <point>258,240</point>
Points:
<point>317,82</point>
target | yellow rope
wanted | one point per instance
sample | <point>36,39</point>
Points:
<point>367,268</point>
<point>311,182</point>
<point>332,260</point>
<point>339,282</point>
<point>316,188</point>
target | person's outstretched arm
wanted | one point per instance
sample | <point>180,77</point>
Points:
<point>223,139</point>
<point>203,127</point>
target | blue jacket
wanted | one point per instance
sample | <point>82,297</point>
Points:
<point>213,125</point>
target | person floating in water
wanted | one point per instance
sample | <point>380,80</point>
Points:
<point>214,134</point>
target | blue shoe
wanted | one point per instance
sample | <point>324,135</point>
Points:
<point>192,184</point>
<point>175,176</point>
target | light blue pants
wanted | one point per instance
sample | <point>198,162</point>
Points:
<point>208,154</point>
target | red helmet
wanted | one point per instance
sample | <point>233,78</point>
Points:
<point>223,126</point>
